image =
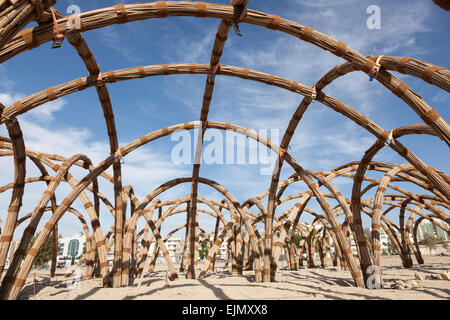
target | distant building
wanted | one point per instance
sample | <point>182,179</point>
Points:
<point>71,249</point>
<point>428,228</point>
<point>174,246</point>
<point>384,239</point>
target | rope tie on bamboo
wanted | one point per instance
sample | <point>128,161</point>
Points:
<point>121,158</point>
<point>99,81</point>
<point>430,116</point>
<point>58,38</point>
<point>161,9</point>
<point>428,73</point>
<point>202,9</point>
<point>141,71</point>
<point>239,14</point>
<point>27,37</point>
<point>121,13</point>
<point>274,22</point>
<point>402,63</point>
<point>390,138</point>
<point>314,93</point>
<point>341,49</point>
<point>216,69</point>
<point>10,122</point>
<point>281,154</point>
<point>374,72</point>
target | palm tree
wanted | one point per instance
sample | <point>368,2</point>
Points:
<point>203,251</point>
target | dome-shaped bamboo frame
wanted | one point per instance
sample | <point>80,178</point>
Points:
<point>248,249</point>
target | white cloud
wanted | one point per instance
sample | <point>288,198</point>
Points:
<point>45,113</point>
<point>5,82</point>
<point>145,168</point>
<point>6,98</point>
<point>111,37</point>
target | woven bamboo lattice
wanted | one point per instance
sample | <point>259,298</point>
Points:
<point>248,249</point>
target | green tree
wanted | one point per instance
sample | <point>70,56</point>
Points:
<point>297,239</point>
<point>46,252</point>
<point>204,244</point>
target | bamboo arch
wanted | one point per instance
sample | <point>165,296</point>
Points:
<point>261,253</point>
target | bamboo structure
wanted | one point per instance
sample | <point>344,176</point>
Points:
<point>247,249</point>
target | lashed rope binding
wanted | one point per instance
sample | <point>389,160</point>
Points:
<point>375,69</point>
<point>216,69</point>
<point>314,93</point>
<point>99,81</point>
<point>121,158</point>
<point>239,14</point>
<point>390,138</point>
<point>58,39</point>
<point>10,122</point>
<point>281,154</point>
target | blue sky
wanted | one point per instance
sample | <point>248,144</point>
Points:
<point>324,140</point>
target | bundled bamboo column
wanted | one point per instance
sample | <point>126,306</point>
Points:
<point>287,256</point>
<point>404,234</point>
<point>245,251</point>
<point>416,243</point>
<point>311,252</point>
<point>90,256</point>
<point>216,231</point>
<point>133,267</point>
<point>322,253</point>
<point>156,248</point>
<point>155,255</point>
<point>143,251</point>
<point>228,257</point>
<point>251,256</point>
<point>193,241</point>
<point>18,147</point>
<point>292,259</point>
<point>55,251</point>
<point>186,238</point>
<point>234,267</point>
<point>238,247</point>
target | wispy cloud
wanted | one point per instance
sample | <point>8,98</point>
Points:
<point>6,83</point>
<point>112,37</point>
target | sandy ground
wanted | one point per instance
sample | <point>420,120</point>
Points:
<point>305,284</point>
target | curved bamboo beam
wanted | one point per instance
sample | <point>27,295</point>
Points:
<point>18,149</point>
